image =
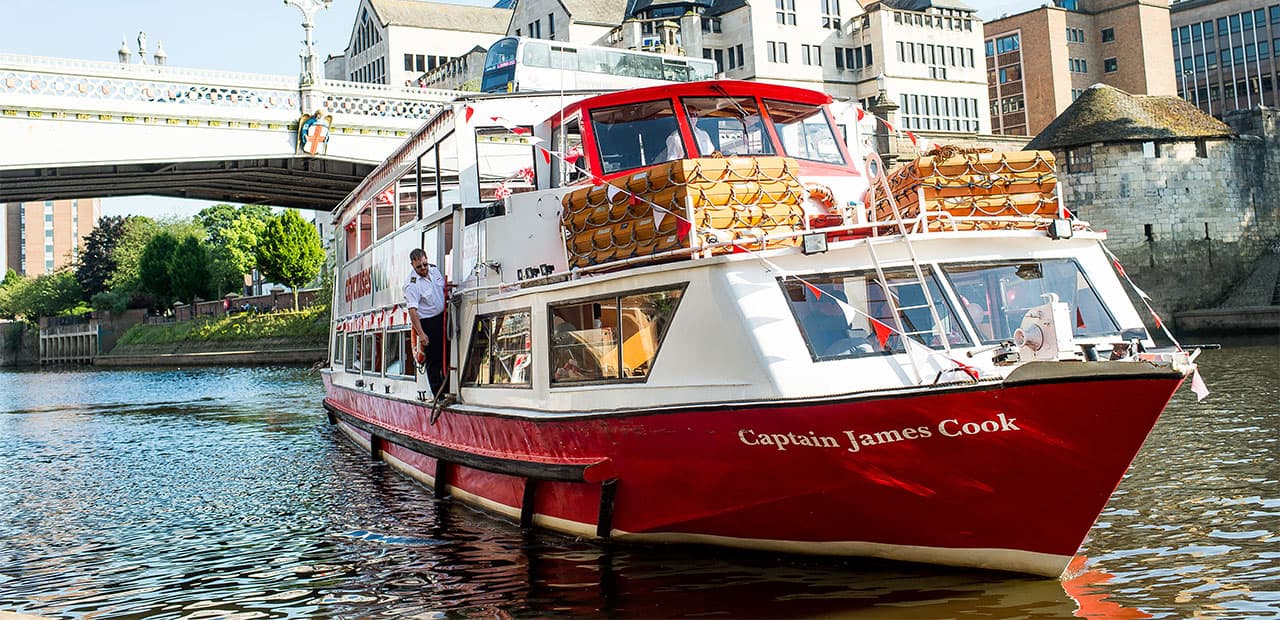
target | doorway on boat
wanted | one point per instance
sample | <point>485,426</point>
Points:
<point>437,242</point>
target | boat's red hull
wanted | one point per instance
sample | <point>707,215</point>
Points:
<point>1002,476</point>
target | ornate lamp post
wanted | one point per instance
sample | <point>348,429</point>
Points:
<point>309,59</point>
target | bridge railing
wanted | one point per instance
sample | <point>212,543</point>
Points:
<point>74,85</point>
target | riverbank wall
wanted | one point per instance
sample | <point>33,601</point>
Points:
<point>240,353</point>
<point>19,344</point>
<point>300,338</point>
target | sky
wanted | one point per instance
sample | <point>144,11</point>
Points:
<point>256,36</point>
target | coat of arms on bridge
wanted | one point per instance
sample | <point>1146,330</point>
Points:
<point>313,133</point>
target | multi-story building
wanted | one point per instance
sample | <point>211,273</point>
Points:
<point>1041,60</point>
<point>395,41</point>
<point>1224,53</point>
<point>921,53</point>
<point>42,237</point>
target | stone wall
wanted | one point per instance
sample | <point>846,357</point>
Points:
<point>1187,220</point>
<point>19,344</point>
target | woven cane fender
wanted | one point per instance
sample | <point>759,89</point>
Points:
<point>729,198</point>
<point>1019,184</point>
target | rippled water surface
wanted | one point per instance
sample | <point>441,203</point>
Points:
<point>224,493</point>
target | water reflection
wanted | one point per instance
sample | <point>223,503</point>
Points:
<point>225,493</point>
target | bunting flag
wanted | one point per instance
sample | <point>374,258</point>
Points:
<point>911,137</point>
<point>503,192</point>
<point>1198,386</point>
<point>526,174</point>
<point>1119,268</point>
<point>861,113</point>
<point>659,214</point>
<point>817,292</point>
<point>546,154</point>
<point>887,125</point>
<point>613,191</point>
<point>882,332</point>
<point>1079,319</point>
<point>1155,316</point>
<point>575,153</point>
<point>467,112</point>
<point>682,228</point>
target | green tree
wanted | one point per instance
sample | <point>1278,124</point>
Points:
<point>233,234</point>
<point>46,295</point>
<point>96,263</point>
<point>154,266</point>
<point>135,234</point>
<point>290,252</point>
<point>189,270</point>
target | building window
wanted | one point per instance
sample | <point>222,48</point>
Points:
<point>811,55</point>
<point>1080,159</point>
<point>1108,35</point>
<point>831,14</point>
<point>711,24</point>
<point>777,51</point>
<point>1109,65</point>
<point>1007,43</point>
<point>786,12</point>
<point>551,25</point>
<point>1075,35</point>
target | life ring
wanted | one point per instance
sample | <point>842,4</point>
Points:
<point>821,194</point>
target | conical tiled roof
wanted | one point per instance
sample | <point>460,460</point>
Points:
<point>1107,114</point>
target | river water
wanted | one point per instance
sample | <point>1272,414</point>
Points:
<point>225,493</point>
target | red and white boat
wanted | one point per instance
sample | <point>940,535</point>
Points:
<point>669,323</point>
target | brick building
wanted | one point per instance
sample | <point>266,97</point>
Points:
<point>1225,53</point>
<point>42,237</point>
<point>1188,201</point>
<point>1040,60</point>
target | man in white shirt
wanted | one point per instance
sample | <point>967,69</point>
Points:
<point>675,146</point>
<point>424,297</point>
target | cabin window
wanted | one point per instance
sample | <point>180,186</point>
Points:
<point>805,132</point>
<point>339,347</point>
<point>384,209</point>
<point>567,139</point>
<point>501,351</point>
<point>365,229</point>
<point>504,162</point>
<point>614,338</point>
<point>353,353</point>
<point>399,352</point>
<point>729,125</point>
<point>371,353</point>
<point>407,194</point>
<point>637,134</point>
<point>996,297</point>
<point>836,324</point>
<point>351,238</point>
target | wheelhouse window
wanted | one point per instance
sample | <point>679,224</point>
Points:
<point>501,351</point>
<point>567,139</point>
<point>728,125</point>
<point>996,297</point>
<point>610,339</point>
<point>805,131</point>
<point>835,324</point>
<point>636,134</point>
<point>504,162</point>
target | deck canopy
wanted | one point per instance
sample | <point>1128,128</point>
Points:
<point>618,133</point>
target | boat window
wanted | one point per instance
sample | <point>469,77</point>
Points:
<point>351,237</point>
<point>407,197</point>
<point>567,139</point>
<point>384,209</point>
<point>805,131</point>
<point>372,353</point>
<point>501,351</point>
<point>835,323</point>
<point>365,228</point>
<point>339,346</point>
<point>353,353</point>
<point>996,297</point>
<point>400,354</point>
<point>637,134</point>
<point>615,338</point>
<point>728,125</point>
<point>504,165</point>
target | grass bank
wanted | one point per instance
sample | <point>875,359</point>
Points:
<point>242,332</point>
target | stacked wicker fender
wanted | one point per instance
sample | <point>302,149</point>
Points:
<point>721,198</point>
<point>974,183</point>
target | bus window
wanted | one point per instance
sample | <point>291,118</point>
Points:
<point>536,54</point>
<point>676,72</point>
<point>733,123</point>
<point>564,58</point>
<point>633,135</point>
<point>500,66</point>
<point>804,131</point>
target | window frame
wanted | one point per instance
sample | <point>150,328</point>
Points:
<point>616,297</point>
<point>466,363</point>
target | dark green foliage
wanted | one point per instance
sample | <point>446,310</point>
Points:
<point>153,266</point>
<point>290,252</point>
<point>115,302</point>
<point>189,270</point>
<point>47,295</point>
<point>97,262</point>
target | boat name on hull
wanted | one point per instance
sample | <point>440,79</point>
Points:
<point>854,441</point>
